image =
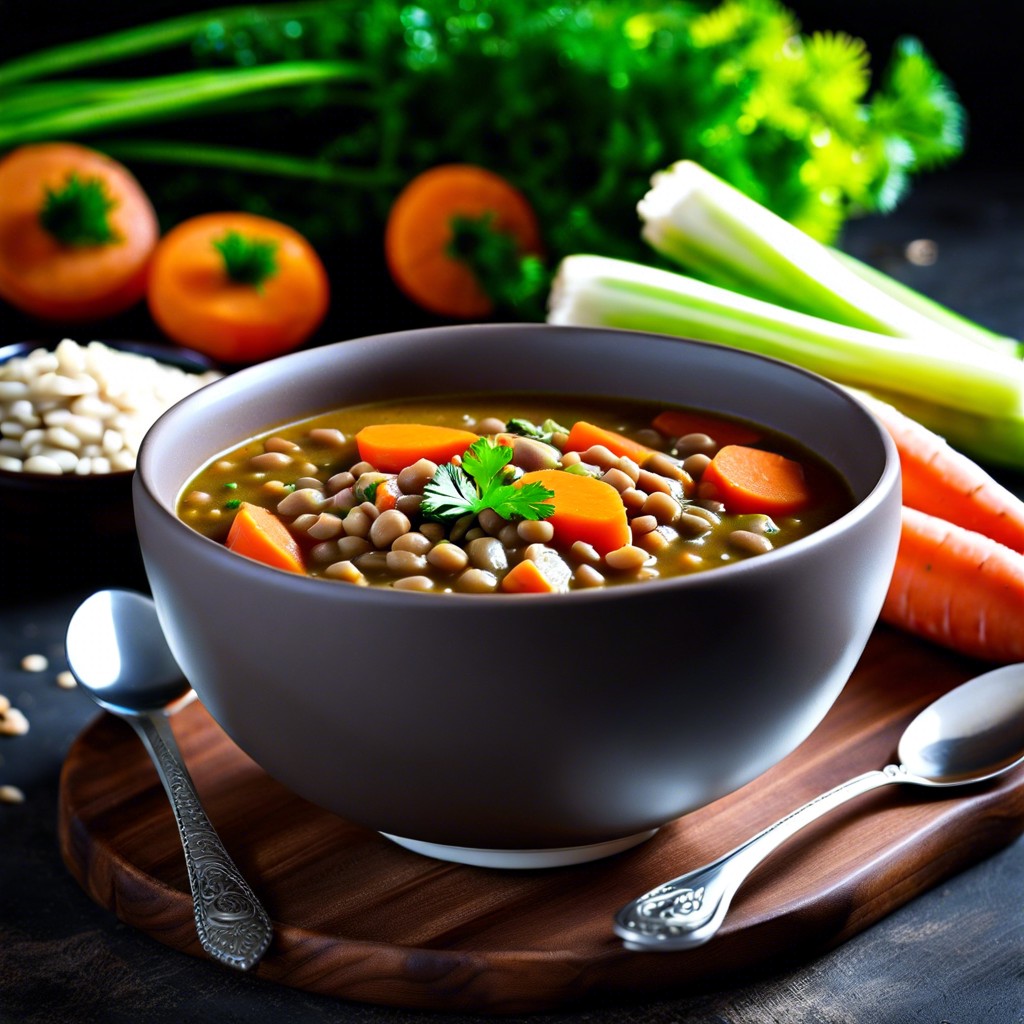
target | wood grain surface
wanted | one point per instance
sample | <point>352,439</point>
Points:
<point>360,918</point>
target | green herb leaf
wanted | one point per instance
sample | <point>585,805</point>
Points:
<point>247,260</point>
<point>525,428</point>
<point>449,494</point>
<point>78,213</point>
<point>455,491</point>
<point>483,461</point>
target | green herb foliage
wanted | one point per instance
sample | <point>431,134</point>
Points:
<point>478,484</point>
<point>576,103</point>
<point>78,213</point>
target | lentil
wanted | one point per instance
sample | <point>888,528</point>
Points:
<point>534,531</point>
<point>347,572</point>
<point>627,558</point>
<point>388,527</point>
<point>405,563</point>
<point>747,540</point>
<point>588,576</point>
<point>414,583</point>
<point>448,557</point>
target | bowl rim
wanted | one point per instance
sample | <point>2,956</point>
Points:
<point>257,571</point>
<point>174,355</point>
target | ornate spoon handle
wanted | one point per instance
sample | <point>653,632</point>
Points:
<point>688,910</point>
<point>233,927</point>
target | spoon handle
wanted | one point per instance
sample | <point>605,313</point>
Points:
<point>233,927</point>
<point>688,910</point>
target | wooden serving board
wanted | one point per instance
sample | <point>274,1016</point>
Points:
<point>360,918</point>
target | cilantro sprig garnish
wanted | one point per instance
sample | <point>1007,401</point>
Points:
<point>478,484</point>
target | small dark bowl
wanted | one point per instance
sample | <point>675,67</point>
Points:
<point>59,532</point>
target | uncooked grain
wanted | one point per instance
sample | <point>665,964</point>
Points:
<point>84,409</point>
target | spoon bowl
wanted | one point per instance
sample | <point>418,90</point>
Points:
<point>116,650</point>
<point>970,735</point>
<point>121,658</point>
<point>974,732</point>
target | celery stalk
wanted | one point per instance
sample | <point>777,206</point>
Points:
<point>723,236</point>
<point>929,307</point>
<point>970,385</point>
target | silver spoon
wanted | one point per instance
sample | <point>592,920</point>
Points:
<point>117,652</point>
<point>973,733</point>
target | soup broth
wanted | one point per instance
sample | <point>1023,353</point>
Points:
<point>518,494</point>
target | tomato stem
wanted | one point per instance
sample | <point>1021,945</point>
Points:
<point>247,259</point>
<point>78,212</point>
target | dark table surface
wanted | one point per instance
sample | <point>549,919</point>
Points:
<point>955,954</point>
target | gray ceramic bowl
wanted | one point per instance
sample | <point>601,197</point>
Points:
<point>520,729</point>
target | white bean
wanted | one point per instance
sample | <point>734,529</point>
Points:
<point>60,437</point>
<point>42,464</point>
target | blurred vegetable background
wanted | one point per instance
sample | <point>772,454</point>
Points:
<point>575,104</point>
<point>446,161</point>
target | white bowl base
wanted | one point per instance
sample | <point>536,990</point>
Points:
<point>555,857</point>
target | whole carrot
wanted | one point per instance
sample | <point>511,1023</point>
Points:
<point>943,482</point>
<point>957,588</point>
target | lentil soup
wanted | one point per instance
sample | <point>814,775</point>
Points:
<point>512,494</point>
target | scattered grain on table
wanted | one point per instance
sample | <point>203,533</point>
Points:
<point>12,721</point>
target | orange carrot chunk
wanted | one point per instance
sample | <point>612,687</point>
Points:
<point>677,423</point>
<point>584,435</point>
<point>526,578</point>
<point>387,494</point>
<point>391,447</point>
<point>586,509</point>
<point>957,588</point>
<point>941,481</point>
<point>754,480</point>
<point>257,533</point>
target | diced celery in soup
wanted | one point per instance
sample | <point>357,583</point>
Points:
<point>511,494</point>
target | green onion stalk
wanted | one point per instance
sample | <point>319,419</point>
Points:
<point>356,97</point>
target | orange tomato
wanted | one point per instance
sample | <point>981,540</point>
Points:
<point>65,271</point>
<point>197,296</point>
<point>419,231</point>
